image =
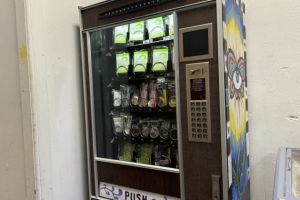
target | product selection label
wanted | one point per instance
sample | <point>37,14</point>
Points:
<point>116,192</point>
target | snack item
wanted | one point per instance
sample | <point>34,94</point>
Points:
<point>137,31</point>
<point>116,98</point>
<point>125,93</point>
<point>126,152</point>
<point>173,131</point>
<point>140,60</point>
<point>122,62</point>
<point>169,20</point>
<point>162,155</point>
<point>162,93</point>
<point>152,95</point>
<point>145,129</point>
<point>118,124</point>
<point>120,34</point>
<point>135,97</point>
<point>156,28</point>
<point>172,94</point>
<point>144,153</point>
<point>160,57</point>
<point>154,129</point>
<point>164,129</point>
<point>135,129</point>
<point>127,124</point>
<point>143,95</point>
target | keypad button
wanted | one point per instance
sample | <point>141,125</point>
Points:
<point>198,119</point>
<point>204,125</point>
<point>205,136</point>
<point>194,130</point>
<point>193,125</point>
<point>200,136</point>
<point>203,114</point>
<point>198,109</point>
<point>199,130</point>
<point>203,103</point>
<point>203,109</point>
<point>204,120</point>
<point>193,109</point>
<point>194,135</point>
<point>194,120</point>
<point>204,130</point>
<point>198,125</point>
<point>194,115</point>
<point>193,104</point>
<point>198,104</point>
<point>198,114</point>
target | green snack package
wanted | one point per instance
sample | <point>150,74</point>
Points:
<point>122,61</point>
<point>120,34</point>
<point>145,152</point>
<point>160,58</point>
<point>126,152</point>
<point>171,24</point>
<point>156,27</point>
<point>136,31</point>
<point>140,59</point>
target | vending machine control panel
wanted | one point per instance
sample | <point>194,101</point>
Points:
<point>198,104</point>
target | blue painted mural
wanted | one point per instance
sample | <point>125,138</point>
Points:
<point>236,99</point>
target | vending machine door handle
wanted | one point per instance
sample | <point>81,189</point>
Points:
<point>216,187</point>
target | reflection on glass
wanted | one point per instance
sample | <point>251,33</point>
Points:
<point>134,99</point>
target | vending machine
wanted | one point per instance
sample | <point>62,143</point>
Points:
<point>165,92</point>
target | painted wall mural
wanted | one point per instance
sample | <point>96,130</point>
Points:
<point>236,99</point>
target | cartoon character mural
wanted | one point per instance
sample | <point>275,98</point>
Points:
<point>236,99</point>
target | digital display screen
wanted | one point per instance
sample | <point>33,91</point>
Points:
<point>197,87</point>
<point>195,43</point>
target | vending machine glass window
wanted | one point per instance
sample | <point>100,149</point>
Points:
<point>134,95</point>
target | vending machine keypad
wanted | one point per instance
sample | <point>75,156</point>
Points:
<point>197,77</point>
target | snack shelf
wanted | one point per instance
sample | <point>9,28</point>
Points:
<point>143,44</point>
<point>170,75</point>
<point>140,165</point>
<point>152,110</point>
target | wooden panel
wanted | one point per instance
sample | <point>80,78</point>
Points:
<point>201,160</point>
<point>139,178</point>
<point>90,17</point>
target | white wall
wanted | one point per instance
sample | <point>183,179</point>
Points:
<point>12,163</point>
<point>57,98</point>
<point>274,80</point>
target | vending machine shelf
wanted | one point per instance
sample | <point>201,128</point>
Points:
<point>138,165</point>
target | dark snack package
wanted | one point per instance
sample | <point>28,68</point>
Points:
<point>162,155</point>
<point>173,130</point>
<point>143,95</point>
<point>162,92</point>
<point>172,94</point>
<point>145,129</point>
<point>154,129</point>
<point>135,129</point>
<point>164,129</point>
<point>152,95</point>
